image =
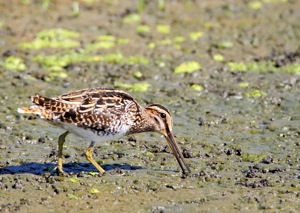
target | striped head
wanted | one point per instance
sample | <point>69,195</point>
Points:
<point>162,117</point>
<point>163,124</point>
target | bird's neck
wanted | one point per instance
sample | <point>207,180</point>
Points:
<point>143,123</point>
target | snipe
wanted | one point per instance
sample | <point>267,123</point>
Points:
<point>99,114</point>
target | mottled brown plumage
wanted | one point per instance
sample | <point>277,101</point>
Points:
<point>99,114</point>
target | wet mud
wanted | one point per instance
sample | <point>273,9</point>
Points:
<point>227,70</point>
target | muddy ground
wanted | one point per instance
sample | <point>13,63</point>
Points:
<point>236,115</point>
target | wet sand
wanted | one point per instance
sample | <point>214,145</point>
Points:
<point>236,113</point>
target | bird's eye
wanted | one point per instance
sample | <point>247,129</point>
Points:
<point>162,115</point>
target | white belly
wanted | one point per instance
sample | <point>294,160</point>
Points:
<point>89,135</point>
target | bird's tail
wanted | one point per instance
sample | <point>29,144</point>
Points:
<point>30,110</point>
<point>35,109</point>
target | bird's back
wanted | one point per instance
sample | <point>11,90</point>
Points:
<point>104,111</point>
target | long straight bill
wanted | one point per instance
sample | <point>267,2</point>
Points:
<point>177,152</point>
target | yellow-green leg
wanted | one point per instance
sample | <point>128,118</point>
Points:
<point>88,155</point>
<point>61,141</point>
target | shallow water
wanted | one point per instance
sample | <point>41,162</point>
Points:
<point>239,128</point>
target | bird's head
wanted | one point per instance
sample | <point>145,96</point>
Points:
<point>163,124</point>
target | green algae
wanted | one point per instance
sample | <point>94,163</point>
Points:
<point>149,155</point>
<point>72,197</point>
<point>14,63</point>
<point>218,57</point>
<point>244,84</point>
<point>179,39</point>
<point>136,87</point>
<point>104,42</point>
<point>107,38</point>
<point>247,157</point>
<point>58,62</point>
<point>136,60</point>
<point>73,180</point>
<point>225,45</point>
<point>164,42</point>
<point>197,87</point>
<point>99,45</point>
<point>132,18</point>
<point>138,74</point>
<point>263,66</point>
<point>255,93</point>
<point>194,36</point>
<point>151,45</point>
<point>53,38</point>
<point>187,67</point>
<point>163,28</point>
<point>291,68</point>
<point>94,191</point>
<point>255,5</point>
<point>56,74</point>
<point>142,29</point>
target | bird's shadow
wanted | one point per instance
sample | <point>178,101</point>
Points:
<point>72,168</point>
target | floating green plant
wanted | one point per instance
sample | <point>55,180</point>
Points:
<point>136,60</point>
<point>93,174</point>
<point>94,191</point>
<point>179,39</point>
<point>211,24</point>
<point>39,44</point>
<point>100,45</point>
<point>58,62</point>
<point>140,87</point>
<point>160,64</point>
<point>57,34</point>
<point>218,57</point>
<point>233,66</point>
<point>292,68</point>
<point>163,28</point>
<point>105,42</point>
<point>132,18</point>
<point>53,38</point>
<point>107,38</point>
<point>255,5</point>
<point>165,42</point>
<point>255,94</point>
<point>123,41</point>
<point>112,58</point>
<point>54,75</point>
<point>225,45</point>
<point>244,84</point>
<point>136,87</point>
<point>151,45</point>
<point>197,87</point>
<point>137,74</point>
<point>142,29</point>
<point>252,157</point>
<point>73,180</point>
<point>149,155</point>
<point>14,63</point>
<point>187,67</point>
<point>251,66</point>
<point>72,197</point>
<point>196,35</point>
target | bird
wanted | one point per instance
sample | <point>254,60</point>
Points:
<point>100,114</point>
